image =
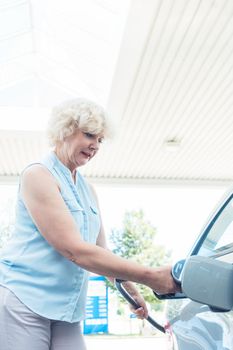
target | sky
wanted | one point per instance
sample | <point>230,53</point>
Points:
<point>178,213</point>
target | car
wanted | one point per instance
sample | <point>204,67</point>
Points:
<point>201,316</point>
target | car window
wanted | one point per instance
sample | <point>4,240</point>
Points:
<point>219,234</point>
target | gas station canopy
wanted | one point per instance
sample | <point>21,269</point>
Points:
<point>163,70</point>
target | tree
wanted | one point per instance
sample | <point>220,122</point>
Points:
<point>136,241</point>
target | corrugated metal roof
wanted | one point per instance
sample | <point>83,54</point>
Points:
<point>170,98</point>
<point>18,148</point>
<point>176,62</point>
<point>117,161</point>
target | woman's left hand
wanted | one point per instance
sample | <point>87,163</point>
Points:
<point>142,311</point>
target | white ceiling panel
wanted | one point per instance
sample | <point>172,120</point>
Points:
<point>73,44</point>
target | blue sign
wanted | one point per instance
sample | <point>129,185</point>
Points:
<point>97,306</point>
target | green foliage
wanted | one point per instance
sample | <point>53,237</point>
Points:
<point>136,241</point>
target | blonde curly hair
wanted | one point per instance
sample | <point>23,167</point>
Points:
<point>76,114</point>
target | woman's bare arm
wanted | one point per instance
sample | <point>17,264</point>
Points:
<point>42,197</point>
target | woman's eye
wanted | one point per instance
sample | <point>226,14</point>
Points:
<point>91,136</point>
<point>88,134</point>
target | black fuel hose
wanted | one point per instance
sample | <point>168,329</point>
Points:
<point>127,296</point>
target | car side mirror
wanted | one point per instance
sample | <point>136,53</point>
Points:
<point>208,281</point>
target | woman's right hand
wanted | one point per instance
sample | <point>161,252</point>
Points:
<point>162,282</point>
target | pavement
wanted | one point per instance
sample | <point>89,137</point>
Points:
<point>108,342</point>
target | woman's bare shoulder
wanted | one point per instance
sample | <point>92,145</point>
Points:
<point>37,175</point>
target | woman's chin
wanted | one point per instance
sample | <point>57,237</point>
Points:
<point>82,162</point>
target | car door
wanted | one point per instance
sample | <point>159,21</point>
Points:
<point>194,325</point>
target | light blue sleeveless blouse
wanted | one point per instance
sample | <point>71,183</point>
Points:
<point>44,280</point>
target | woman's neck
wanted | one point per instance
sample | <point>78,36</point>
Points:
<point>62,156</point>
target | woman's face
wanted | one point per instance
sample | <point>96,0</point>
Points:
<point>79,148</point>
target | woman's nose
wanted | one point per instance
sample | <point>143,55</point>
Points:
<point>94,146</point>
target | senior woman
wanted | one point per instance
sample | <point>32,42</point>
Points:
<point>58,238</point>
